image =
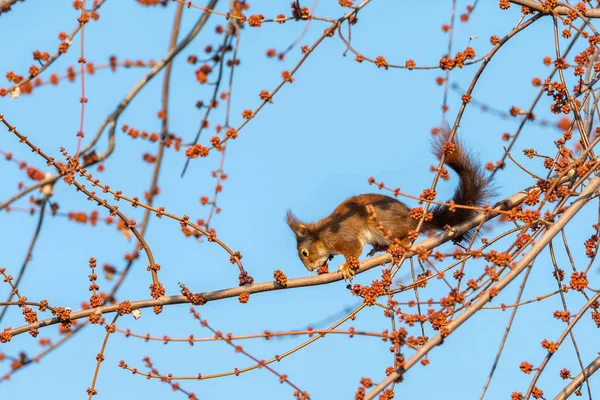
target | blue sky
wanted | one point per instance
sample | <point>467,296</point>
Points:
<point>336,125</point>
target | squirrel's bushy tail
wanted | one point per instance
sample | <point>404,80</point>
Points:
<point>472,190</point>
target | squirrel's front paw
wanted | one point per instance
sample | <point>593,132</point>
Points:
<point>346,272</point>
<point>349,269</point>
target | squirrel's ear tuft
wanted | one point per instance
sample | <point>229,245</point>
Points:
<point>295,225</point>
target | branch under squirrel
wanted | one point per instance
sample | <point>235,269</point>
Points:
<point>430,243</point>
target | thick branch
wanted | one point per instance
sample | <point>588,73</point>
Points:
<point>516,270</point>
<point>578,380</point>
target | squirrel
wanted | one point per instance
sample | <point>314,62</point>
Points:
<point>350,226</point>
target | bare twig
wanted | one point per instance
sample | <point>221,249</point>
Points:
<point>36,234</point>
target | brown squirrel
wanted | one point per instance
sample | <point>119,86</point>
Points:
<point>349,227</point>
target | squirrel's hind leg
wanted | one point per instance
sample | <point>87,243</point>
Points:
<point>377,248</point>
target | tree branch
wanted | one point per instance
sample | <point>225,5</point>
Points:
<point>578,380</point>
<point>506,204</point>
<point>561,10</point>
<point>516,270</point>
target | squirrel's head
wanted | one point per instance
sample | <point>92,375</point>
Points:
<point>311,249</point>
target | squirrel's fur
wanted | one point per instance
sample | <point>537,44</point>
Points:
<point>350,227</point>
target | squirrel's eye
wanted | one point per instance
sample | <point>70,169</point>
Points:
<point>305,253</point>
